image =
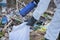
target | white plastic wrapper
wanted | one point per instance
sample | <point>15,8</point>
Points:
<point>20,32</point>
<point>3,1</point>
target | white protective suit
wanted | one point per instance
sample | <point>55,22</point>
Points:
<point>20,32</point>
<point>54,27</point>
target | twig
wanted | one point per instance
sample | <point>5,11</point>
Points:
<point>4,29</point>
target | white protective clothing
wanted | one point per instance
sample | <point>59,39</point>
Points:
<point>54,27</point>
<point>20,32</point>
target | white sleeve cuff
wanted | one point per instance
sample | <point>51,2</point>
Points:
<point>41,8</point>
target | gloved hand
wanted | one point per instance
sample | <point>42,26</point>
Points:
<point>45,39</point>
<point>37,1</point>
<point>31,21</point>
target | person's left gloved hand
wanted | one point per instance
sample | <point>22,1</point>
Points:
<point>31,21</point>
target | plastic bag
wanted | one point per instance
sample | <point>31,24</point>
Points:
<point>4,20</point>
<point>20,32</point>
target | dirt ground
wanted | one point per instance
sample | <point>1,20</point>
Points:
<point>35,35</point>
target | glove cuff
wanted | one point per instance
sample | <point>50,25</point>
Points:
<point>36,1</point>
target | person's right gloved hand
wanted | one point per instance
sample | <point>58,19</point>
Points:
<point>36,1</point>
<point>31,21</point>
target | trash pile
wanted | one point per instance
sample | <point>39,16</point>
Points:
<point>8,18</point>
<point>10,21</point>
<point>12,18</point>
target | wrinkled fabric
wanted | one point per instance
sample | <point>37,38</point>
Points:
<point>57,3</point>
<point>54,27</point>
<point>41,8</point>
<point>20,32</point>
